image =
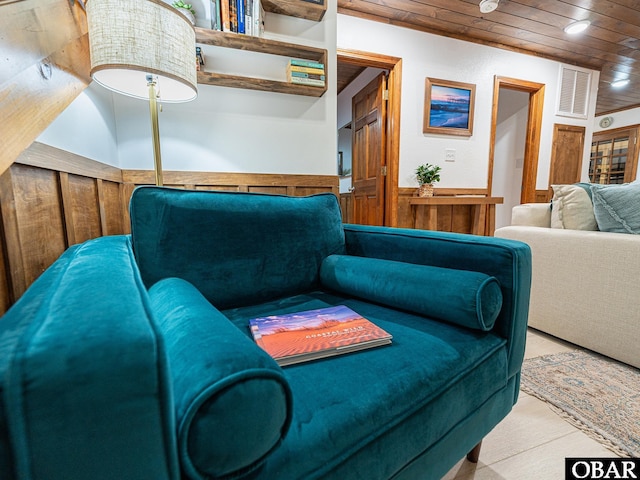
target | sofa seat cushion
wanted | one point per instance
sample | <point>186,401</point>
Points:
<point>231,255</point>
<point>433,376</point>
<point>466,298</point>
<point>232,401</point>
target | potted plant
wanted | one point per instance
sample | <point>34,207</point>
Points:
<point>427,175</point>
<point>186,9</point>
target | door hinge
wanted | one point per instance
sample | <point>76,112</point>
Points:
<point>385,94</point>
<point>383,172</point>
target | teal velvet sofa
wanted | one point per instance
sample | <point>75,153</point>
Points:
<point>130,358</point>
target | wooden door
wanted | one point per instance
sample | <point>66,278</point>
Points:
<point>567,150</point>
<point>368,153</point>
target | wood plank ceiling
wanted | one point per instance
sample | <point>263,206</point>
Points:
<point>610,44</point>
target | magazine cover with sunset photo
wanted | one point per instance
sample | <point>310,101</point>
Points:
<point>312,334</point>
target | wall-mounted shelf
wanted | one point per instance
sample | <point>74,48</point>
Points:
<point>296,8</point>
<point>259,45</point>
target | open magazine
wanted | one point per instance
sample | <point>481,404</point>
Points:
<point>302,336</point>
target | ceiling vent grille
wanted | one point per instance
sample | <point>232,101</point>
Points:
<point>573,98</point>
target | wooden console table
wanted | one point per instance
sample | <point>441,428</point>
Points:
<point>425,211</point>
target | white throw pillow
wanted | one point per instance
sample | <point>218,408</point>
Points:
<point>572,208</point>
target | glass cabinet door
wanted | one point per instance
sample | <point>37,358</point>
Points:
<point>613,157</point>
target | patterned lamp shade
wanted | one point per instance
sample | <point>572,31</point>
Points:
<point>131,39</point>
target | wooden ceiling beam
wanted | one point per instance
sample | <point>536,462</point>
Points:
<point>44,52</point>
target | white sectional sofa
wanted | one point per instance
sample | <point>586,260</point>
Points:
<point>586,284</point>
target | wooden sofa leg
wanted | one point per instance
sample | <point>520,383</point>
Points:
<point>474,455</point>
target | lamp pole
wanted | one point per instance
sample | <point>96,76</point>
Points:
<point>155,129</point>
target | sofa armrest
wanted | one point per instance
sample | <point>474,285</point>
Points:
<point>532,214</point>
<point>84,388</point>
<point>508,261</point>
<point>584,287</point>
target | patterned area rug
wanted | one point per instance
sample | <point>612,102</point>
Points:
<point>598,395</point>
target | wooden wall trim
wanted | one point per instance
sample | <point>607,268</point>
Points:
<point>243,181</point>
<point>45,156</point>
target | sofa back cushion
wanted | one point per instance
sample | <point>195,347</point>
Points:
<point>236,248</point>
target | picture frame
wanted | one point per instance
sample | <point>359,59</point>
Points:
<point>448,107</point>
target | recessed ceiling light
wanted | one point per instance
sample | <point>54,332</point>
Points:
<point>488,6</point>
<point>620,83</point>
<point>577,27</point>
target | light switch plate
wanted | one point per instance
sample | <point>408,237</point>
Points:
<point>449,155</point>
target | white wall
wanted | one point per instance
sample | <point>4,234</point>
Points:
<point>426,55</point>
<point>237,130</point>
<point>224,129</point>
<point>624,118</point>
<point>508,160</point>
<point>87,127</point>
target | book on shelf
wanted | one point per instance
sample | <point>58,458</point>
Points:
<point>293,68</point>
<point>315,76</point>
<point>305,63</point>
<point>238,16</point>
<point>257,18</point>
<point>225,16</point>
<point>248,21</point>
<point>314,334</point>
<point>216,18</point>
<point>233,16</point>
<point>307,81</point>
<point>306,72</point>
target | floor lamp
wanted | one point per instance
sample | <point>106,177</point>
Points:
<point>144,49</point>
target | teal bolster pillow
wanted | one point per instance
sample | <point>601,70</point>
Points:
<point>232,401</point>
<point>469,299</point>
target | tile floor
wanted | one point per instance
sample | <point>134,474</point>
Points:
<point>532,442</point>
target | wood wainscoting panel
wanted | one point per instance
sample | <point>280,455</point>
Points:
<point>346,206</point>
<point>51,199</point>
<point>81,208</point>
<point>34,228</point>
<point>543,196</point>
<point>111,208</point>
<point>276,183</point>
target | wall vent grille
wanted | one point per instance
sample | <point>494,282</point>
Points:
<point>573,92</point>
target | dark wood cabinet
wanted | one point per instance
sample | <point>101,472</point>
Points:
<point>614,156</point>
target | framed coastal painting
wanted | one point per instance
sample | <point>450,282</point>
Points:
<point>448,107</point>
